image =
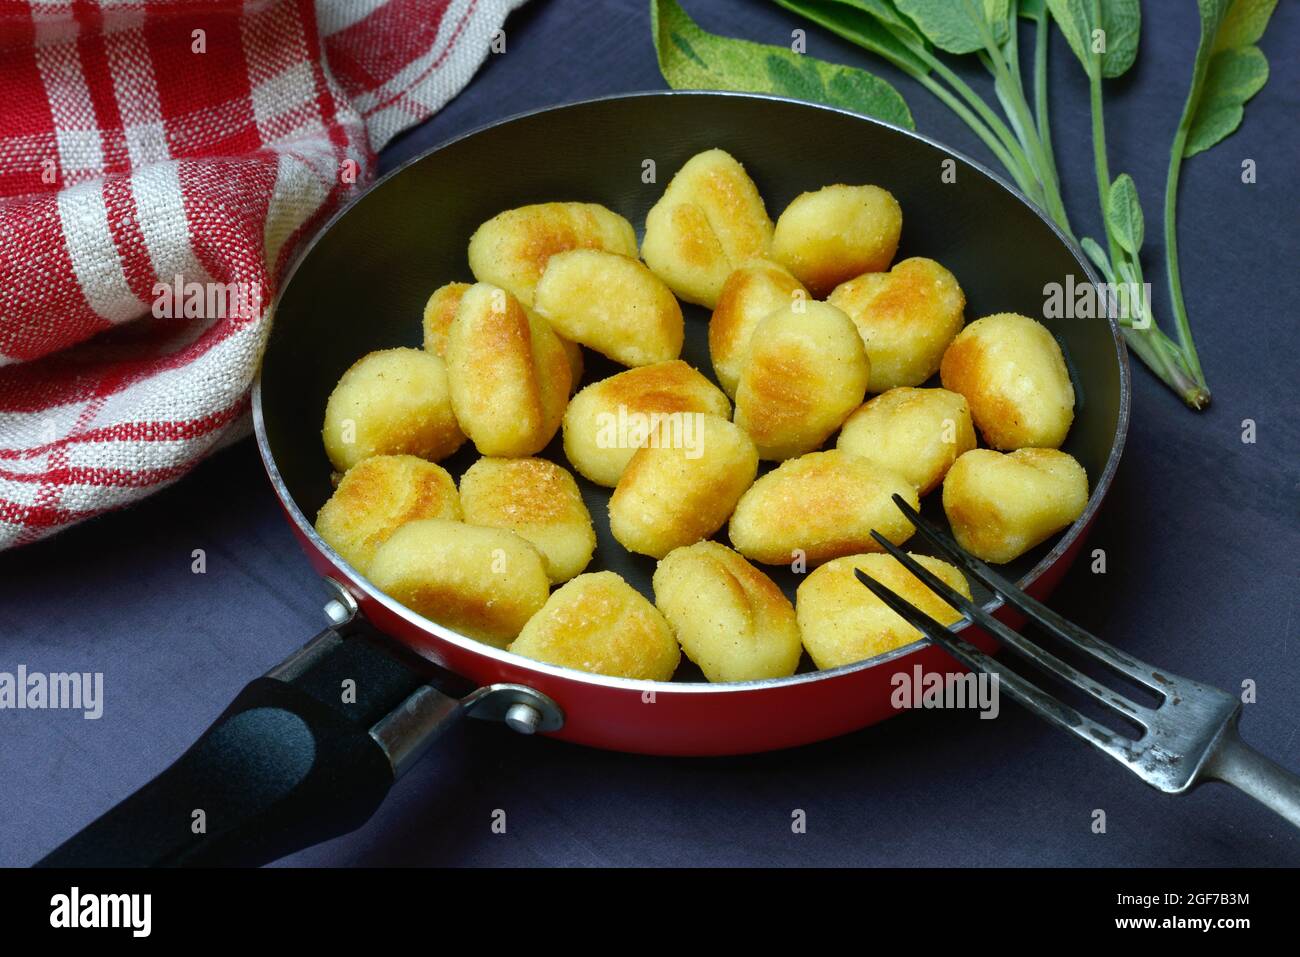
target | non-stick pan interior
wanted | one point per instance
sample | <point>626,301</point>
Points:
<point>363,283</point>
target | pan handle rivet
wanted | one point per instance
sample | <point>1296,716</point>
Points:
<point>523,718</point>
<point>337,613</point>
<point>342,607</point>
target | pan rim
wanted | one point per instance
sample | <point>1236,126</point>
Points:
<point>356,580</point>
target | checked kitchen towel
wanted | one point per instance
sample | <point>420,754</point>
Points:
<point>160,160</point>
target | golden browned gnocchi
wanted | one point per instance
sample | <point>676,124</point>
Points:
<point>729,618</point>
<point>537,500</point>
<point>820,506</point>
<point>907,317</point>
<point>832,234</point>
<point>612,304</point>
<point>599,624</point>
<point>680,493</point>
<point>751,293</point>
<point>842,621</point>
<point>512,248</point>
<point>376,497</point>
<point>1001,505</point>
<point>502,358</point>
<point>508,373</point>
<point>609,420</point>
<point>439,311</point>
<point>391,402</point>
<point>918,433</point>
<point>1013,374</point>
<point>805,371</point>
<point>482,582</point>
<point>709,220</point>
<point>573,352</point>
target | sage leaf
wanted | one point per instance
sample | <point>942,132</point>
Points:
<point>1122,22</point>
<point>847,19</point>
<point>1074,19</point>
<point>1032,9</point>
<point>959,26</point>
<point>882,10</point>
<point>1124,214</point>
<point>1120,26</point>
<point>692,58</point>
<point>1243,23</point>
<point>1229,69</point>
<point>1098,257</point>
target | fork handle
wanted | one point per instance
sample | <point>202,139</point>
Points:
<point>1237,763</point>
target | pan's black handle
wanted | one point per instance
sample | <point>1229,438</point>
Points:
<point>304,753</point>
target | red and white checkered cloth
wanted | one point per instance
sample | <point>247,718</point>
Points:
<point>142,140</point>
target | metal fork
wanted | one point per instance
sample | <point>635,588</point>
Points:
<point>1189,738</point>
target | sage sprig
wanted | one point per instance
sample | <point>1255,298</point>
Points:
<point>918,37</point>
<point>692,58</point>
<point>1228,71</point>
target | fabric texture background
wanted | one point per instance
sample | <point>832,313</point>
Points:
<point>146,140</point>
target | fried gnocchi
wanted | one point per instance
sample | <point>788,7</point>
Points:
<point>612,304</point>
<point>730,618</point>
<point>538,501</point>
<point>439,311</point>
<point>512,248</point>
<point>832,234</point>
<point>482,582</point>
<point>805,371</point>
<point>751,293</point>
<point>907,317</point>
<point>709,220</point>
<point>391,402</point>
<point>377,496</point>
<point>1001,505</point>
<point>508,373</point>
<point>918,433</point>
<point>811,318</point>
<point>841,621</point>
<point>1012,372</point>
<point>599,624</point>
<point>573,352</point>
<point>609,420</point>
<point>820,506</point>
<point>680,493</point>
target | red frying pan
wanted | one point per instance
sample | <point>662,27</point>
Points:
<point>292,761</point>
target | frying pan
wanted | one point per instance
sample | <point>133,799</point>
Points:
<point>295,760</point>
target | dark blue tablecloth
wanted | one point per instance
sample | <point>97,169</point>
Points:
<point>1201,533</point>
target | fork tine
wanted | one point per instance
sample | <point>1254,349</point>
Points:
<point>1067,631</point>
<point>1043,658</point>
<point>1021,689</point>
